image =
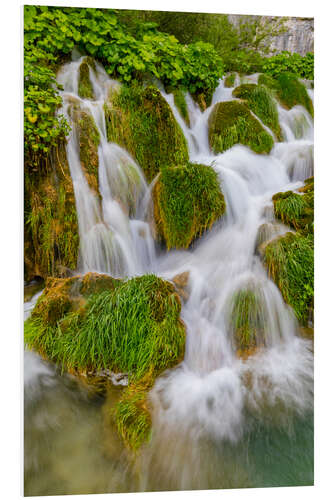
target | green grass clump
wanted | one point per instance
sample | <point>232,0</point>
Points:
<point>296,210</point>
<point>85,88</point>
<point>229,80</point>
<point>232,123</point>
<point>180,102</point>
<point>290,262</point>
<point>141,121</point>
<point>260,101</point>
<point>187,201</point>
<point>247,321</point>
<point>96,322</point>
<point>288,90</point>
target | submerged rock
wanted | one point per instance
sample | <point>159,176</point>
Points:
<point>232,123</point>
<point>197,202</point>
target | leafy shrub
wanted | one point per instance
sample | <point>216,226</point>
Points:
<point>187,201</point>
<point>232,123</point>
<point>301,66</point>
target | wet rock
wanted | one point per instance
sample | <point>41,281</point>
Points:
<point>181,281</point>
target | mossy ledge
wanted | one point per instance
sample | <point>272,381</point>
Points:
<point>88,140</point>
<point>140,120</point>
<point>288,90</point>
<point>51,238</point>
<point>85,88</point>
<point>187,202</point>
<point>95,322</point>
<point>260,101</point>
<point>232,123</point>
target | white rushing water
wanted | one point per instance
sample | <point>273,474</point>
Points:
<point>211,391</point>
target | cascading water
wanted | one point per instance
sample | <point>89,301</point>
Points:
<point>203,410</point>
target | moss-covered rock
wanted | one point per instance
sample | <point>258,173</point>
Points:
<point>232,123</point>
<point>85,88</point>
<point>296,210</point>
<point>180,102</point>
<point>247,322</point>
<point>88,139</point>
<point>187,201</point>
<point>203,98</point>
<point>51,237</point>
<point>94,322</point>
<point>260,101</point>
<point>229,80</point>
<point>290,262</point>
<point>288,90</point>
<point>140,120</point>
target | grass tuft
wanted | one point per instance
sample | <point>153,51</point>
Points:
<point>187,202</point>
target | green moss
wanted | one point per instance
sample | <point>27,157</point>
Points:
<point>290,262</point>
<point>247,321</point>
<point>85,88</point>
<point>296,210</point>
<point>288,90</point>
<point>86,324</point>
<point>232,123</point>
<point>51,238</point>
<point>260,101</point>
<point>229,80</point>
<point>187,201</point>
<point>88,139</point>
<point>268,81</point>
<point>180,102</point>
<point>203,98</point>
<point>141,121</point>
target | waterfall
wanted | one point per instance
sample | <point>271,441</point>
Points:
<point>209,394</point>
<point>221,264</point>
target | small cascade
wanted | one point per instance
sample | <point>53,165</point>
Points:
<point>107,227</point>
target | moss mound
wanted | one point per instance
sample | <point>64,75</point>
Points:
<point>187,201</point>
<point>51,238</point>
<point>85,88</point>
<point>259,99</point>
<point>247,322</point>
<point>180,102</point>
<point>288,90</point>
<point>229,80</point>
<point>290,262</point>
<point>141,121</point>
<point>296,210</point>
<point>88,138</point>
<point>93,323</point>
<point>232,123</point>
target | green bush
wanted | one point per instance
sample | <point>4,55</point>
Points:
<point>259,99</point>
<point>187,201</point>
<point>232,123</point>
<point>301,66</point>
